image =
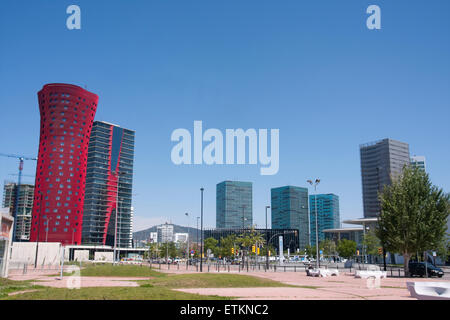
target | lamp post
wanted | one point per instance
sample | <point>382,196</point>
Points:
<point>187,253</point>
<point>316,182</point>
<point>201,230</point>
<point>267,241</point>
<point>197,231</point>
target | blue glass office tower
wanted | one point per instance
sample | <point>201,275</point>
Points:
<point>109,178</point>
<point>327,212</point>
<point>234,205</point>
<point>289,206</point>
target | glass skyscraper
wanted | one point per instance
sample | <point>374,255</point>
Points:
<point>289,206</point>
<point>109,178</point>
<point>327,214</point>
<point>380,162</point>
<point>234,205</point>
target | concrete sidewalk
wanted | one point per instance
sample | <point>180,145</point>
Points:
<point>342,287</point>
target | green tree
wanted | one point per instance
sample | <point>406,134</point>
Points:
<point>168,248</point>
<point>346,248</point>
<point>413,215</point>
<point>211,244</point>
<point>371,242</point>
<point>226,244</point>
<point>310,251</point>
<point>328,246</point>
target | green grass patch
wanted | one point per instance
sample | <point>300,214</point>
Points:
<point>8,286</point>
<point>112,293</point>
<point>213,280</point>
<point>109,270</point>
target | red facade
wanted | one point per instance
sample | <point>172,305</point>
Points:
<point>67,113</point>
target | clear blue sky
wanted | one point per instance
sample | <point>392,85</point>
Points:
<point>309,68</point>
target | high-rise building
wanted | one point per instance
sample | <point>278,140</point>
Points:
<point>109,178</point>
<point>22,222</point>
<point>419,161</point>
<point>67,113</point>
<point>165,233</point>
<point>289,207</point>
<point>327,206</point>
<point>234,205</point>
<point>381,161</point>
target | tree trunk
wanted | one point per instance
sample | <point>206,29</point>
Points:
<point>406,257</point>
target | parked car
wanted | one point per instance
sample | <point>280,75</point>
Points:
<point>424,269</point>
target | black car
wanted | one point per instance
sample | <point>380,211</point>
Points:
<point>425,269</point>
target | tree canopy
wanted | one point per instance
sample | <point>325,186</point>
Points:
<point>413,214</point>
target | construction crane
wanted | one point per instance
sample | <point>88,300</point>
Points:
<point>16,199</point>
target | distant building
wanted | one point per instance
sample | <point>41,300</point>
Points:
<point>381,161</point>
<point>290,236</point>
<point>327,213</point>
<point>355,234</point>
<point>234,204</point>
<point>289,207</point>
<point>419,161</point>
<point>109,182</point>
<point>153,238</point>
<point>22,223</point>
<point>181,237</point>
<point>165,233</point>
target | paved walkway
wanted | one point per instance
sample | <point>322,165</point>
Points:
<point>342,287</point>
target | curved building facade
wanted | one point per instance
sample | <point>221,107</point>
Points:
<point>67,114</point>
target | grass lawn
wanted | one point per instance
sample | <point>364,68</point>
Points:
<point>112,293</point>
<point>109,270</point>
<point>159,287</point>
<point>212,280</point>
<point>8,286</point>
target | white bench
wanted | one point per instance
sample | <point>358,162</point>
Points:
<point>322,272</point>
<point>429,290</point>
<point>364,274</point>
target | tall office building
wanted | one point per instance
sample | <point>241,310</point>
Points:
<point>67,113</point>
<point>419,161</point>
<point>109,178</point>
<point>234,205</point>
<point>381,161</point>
<point>327,206</point>
<point>289,206</point>
<point>22,222</point>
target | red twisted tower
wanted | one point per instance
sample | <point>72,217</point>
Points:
<point>67,113</point>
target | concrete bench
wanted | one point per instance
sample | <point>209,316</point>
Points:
<point>364,274</point>
<point>322,272</point>
<point>429,290</point>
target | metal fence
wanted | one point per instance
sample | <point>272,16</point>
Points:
<point>392,271</point>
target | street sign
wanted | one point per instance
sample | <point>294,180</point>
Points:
<point>434,253</point>
<point>192,251</point>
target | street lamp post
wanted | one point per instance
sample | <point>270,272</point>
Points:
<point>201,230</point>
<point>243,230</point>
<point>187,253</point>
<point>267,242</point>
<point>316,182</point>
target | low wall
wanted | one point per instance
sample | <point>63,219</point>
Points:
<point>48,254</point>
